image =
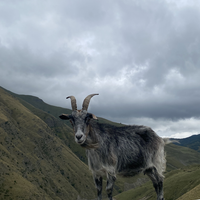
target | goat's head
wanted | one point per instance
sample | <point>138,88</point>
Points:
<point>80,119</point>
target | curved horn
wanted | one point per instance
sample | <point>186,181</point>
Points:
<point>73,102</point>
<point>87,101</point>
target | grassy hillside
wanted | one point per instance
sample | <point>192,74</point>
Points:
<point>59,127</point>
<point>176,184</point>
<point>179,157</point>
<point>192,194</point>
<point>34,162</point>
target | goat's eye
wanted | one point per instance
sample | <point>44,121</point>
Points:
<point>87,119</point>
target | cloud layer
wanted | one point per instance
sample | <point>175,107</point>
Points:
<point>141,56</point>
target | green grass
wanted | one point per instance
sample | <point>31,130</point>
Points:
<point>176,184</point>
<point>179,157</point>
<point>192,194</point>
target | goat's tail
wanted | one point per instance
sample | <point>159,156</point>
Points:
<point>168,141</point>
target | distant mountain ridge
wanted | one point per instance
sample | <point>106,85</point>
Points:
<point>192,142</point>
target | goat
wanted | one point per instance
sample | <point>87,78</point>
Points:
<point>112,150</point>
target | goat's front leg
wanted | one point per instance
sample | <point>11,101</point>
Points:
<point>98,183</point>
<point>110,183</point>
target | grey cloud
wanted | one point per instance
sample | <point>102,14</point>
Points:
<point>24,62</point>
<point>141,56</point>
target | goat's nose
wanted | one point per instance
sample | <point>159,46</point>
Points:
<point>79,137</point>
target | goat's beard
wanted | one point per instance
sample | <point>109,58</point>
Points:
<point>90,144</point>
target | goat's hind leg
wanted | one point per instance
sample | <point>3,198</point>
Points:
<point>98,183</point>
<point>110,183</point>
<point>157,180</point>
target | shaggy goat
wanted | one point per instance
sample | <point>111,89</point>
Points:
<point>111,150</point>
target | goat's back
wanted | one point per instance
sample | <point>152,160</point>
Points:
<point>133,148</point>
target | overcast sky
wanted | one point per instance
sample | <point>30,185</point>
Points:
<point>141,56</point>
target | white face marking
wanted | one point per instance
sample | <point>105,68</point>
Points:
<point>80,122</point>
<point>79,136</point>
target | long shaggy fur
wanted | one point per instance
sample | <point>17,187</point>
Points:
<point>126,150</point>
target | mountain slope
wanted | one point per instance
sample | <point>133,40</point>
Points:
<point>176,184</point>
<point>179,156</point>
<point>192,194</point>
<point>34,162</point>
<point>192,142</point>
<point>49,114</point>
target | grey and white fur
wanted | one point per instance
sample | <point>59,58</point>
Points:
<point>111,150</point>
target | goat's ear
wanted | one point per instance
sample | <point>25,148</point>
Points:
<point>92,116</point>
<point>64,116</point>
